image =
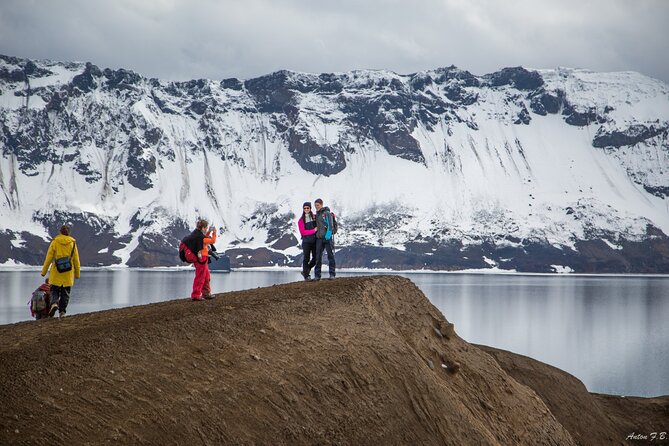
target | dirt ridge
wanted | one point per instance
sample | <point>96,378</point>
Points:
<point>363,360</point>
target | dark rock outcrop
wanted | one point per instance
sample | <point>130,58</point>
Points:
<point>581,118</point>
<point>87,81</point>
<point>140,166</point>
<point>96,238</point>
<point>517,77</point>
<point>246,257</point>
<point>634,134</point>
<point>543,102</point>
<point>272,93</point>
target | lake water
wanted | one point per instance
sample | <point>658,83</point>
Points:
<point>610,332</point>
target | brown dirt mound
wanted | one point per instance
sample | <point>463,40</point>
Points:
<point>592,419</point>
<point>350,361</point>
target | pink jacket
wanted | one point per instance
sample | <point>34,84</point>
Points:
<point>305,232</point>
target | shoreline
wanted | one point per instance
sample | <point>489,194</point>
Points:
<point>380,271</point>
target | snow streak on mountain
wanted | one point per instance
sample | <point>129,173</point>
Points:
<point>547,170</point>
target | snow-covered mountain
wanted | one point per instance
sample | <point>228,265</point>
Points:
<point>545,170</point>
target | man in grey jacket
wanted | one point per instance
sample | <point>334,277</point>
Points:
<point>324,239</point>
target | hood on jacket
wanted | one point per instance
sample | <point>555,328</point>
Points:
<point>324,209</point>
<point>63,239</point>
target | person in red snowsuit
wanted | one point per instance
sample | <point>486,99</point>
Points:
<point>198,242</point>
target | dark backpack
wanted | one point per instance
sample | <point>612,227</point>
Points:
<point>334,223</point>
<point>185,254</point>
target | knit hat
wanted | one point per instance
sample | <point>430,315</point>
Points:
<point>306,203</point>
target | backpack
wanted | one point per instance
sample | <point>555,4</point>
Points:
<point>185,254</point>
<point>38,302</point>
<point>330,231</point>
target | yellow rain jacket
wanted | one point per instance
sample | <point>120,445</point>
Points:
<point>61,246</point>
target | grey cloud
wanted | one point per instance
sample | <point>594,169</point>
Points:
<point>174,39</point>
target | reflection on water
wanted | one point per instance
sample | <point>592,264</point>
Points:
<point>610,332</point>
<point>105,289</point>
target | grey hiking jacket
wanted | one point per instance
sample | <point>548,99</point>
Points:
<point>321,217</point>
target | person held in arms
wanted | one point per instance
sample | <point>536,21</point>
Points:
<point>326,229</point>
<point>307,227</point>
<point>62,264</point>
<point>198,242</point>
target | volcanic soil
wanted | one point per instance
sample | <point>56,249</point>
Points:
<point>364,360</point>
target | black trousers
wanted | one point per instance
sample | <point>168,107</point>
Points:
<point>327,245</point>
<point>60,295</point>
<point>308,257</point>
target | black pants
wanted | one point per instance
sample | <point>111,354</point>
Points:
<point>328,245</point>
<point>60,295</point>
<point>308,256</point>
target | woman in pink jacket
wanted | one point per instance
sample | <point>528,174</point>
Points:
<point>307,226</point>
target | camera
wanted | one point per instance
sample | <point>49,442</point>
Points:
<point>213,253</point>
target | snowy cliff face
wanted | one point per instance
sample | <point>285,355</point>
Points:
<point>529,170</point>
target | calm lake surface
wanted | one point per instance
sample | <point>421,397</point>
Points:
<point>610,332</point>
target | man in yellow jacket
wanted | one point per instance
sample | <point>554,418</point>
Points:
<point>62,246</point>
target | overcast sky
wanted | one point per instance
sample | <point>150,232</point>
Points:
<point>217,39</point>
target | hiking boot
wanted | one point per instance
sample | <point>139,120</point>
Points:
<point>197,298</point>
<point>208,296</point>
<point>53,309</point>
<point>61,314</point>
<point>316,279</point>
<point>332,276</point>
